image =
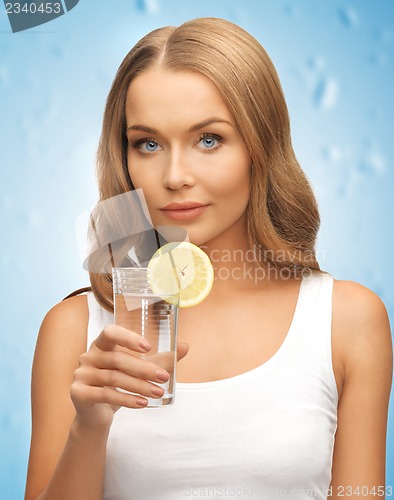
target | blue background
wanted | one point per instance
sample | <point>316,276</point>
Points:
<point>335,61</point>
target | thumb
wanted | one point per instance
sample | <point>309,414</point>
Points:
<point>182,350</point>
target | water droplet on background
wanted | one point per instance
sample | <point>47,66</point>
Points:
<point>348,17</point>
<point>148,6</point>
<point>57,51</point>
<point>316,63</point>
<point>4,74</point>
<point>372,162</point>
<point>333,154</point>
<point>6,201</point>
<point>378,59</point>
<point>290,10</point>
<point>326,93</point>
<point>385,36</point>
<point>35,218</point>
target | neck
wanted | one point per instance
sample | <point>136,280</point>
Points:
<point>235,261</point>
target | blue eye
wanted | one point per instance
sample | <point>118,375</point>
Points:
<point>210,141</point>
<point>146,146</point>
<point>150,146</point>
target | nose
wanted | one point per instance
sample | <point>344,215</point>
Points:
<point>177,173</point>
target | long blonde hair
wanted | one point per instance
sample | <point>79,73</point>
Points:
<point>282,214</point>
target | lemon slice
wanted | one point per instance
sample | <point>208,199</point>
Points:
<point>181,273</point>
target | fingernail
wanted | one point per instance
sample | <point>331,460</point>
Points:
<point>144,344</point>
<point>157,391</point>
<point>162,375</point>
<point>142,402</point>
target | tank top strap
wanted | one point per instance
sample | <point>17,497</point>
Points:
<point>98,318</point>
<point>317,299</point>
<point>312,336</point>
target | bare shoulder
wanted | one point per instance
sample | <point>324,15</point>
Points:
<point>354,294</point>
<point>72,310</point>
<point>361,327</point>
<point>358,308</point>
<point>66,323</point>
<point>60,343</point>
<point>61,340</point>
<point>362,349</point>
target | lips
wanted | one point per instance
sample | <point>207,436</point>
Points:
<point>184,211</point>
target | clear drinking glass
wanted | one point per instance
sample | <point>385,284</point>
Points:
<point>137,308</point>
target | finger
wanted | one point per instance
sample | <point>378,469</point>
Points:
<point>94,395</point>
<point>115,335</point>
<point>182,350</point>
<point>113,378</point>
<point>164,360</point>
<point>129,364</point>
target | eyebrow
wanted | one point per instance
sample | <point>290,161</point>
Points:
<point>193,128</point>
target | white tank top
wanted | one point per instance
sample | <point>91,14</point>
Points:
<point>265,434</point>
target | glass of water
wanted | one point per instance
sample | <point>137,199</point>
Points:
<point>137,308</point>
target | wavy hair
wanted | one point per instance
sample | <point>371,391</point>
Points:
<point>282,213</point>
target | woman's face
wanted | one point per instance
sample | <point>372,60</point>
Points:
<point>187,156</point>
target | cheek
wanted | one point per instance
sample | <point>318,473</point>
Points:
<point>140,178</point>
<point>136,172</point>
<point>133,177</point>
<point>234,183</point>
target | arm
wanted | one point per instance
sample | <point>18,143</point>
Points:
<point>362,332</point>
<point>61,341</point>
<point>74,401</point>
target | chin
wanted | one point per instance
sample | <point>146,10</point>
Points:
<point>196,240</point>
<point>195,236</point>
<point>201,240</point>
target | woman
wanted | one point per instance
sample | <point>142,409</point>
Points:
<point>285,389</point>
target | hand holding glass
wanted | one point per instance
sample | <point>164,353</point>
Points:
<point>138,309</point>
